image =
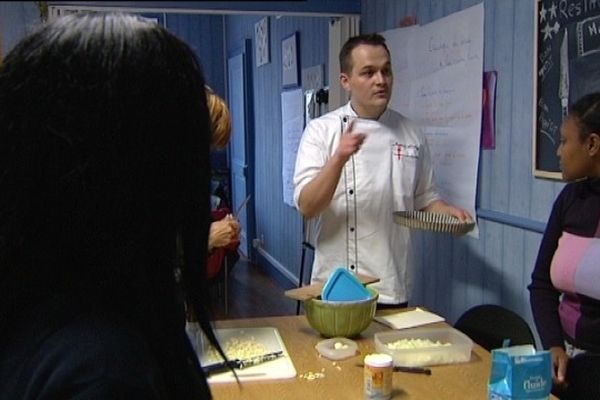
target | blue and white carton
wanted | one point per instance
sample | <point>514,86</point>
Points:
<point>520,373</point>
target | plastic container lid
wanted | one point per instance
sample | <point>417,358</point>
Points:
<point>344,286</point>
<point>379,360</point>
<point>453,347</point>
<point>337,348</point>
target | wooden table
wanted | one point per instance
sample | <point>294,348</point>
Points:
<point>343,380</point>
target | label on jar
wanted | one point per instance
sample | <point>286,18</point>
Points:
<point>378,376</point>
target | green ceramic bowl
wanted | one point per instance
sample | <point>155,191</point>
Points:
<point>341,318</point>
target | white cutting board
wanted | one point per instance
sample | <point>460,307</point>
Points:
<point>280,368</point>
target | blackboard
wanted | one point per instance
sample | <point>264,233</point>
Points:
<point>567,67</point>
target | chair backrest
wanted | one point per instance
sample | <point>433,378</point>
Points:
<point>489,324</point>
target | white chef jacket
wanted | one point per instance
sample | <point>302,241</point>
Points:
<point>391,172</point>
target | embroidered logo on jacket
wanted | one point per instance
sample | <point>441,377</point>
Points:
<point>405,150</point>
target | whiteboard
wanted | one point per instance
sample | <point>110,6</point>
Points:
<point>438,78</point>
<point>292,124</point>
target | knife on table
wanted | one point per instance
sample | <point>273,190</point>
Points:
<point>411,370</point>
<point>240,364</point>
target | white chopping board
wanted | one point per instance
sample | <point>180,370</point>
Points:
<point>280,368</point>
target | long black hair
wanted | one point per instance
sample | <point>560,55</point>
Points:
<point>104,159</point>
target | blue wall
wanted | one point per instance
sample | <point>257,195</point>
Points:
<point>17,18</point>
<point>452,274</point>
<point>204,33</point>
<point>277,223</point>
<point>312,6</point>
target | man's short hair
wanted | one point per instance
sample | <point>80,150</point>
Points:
<point>373,39</point>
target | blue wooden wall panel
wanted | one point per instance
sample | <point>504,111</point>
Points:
<point>310,6</point>
<point>379,13</point>
<point>204,34</point>
<point>458,275</point>
<point>503,44</point>
<point>443,265</point>
<point>541,191</point>
<point>419,274</point>
<point>476,275</point>
<point>426,263</point>
<point>277,223</point>
<point>514,289</point>
<point>522,111</point>
<point>17,19</point>
<point>493,245</point>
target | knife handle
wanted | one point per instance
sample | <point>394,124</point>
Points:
<point>221,367</point>
<point>413,370</point>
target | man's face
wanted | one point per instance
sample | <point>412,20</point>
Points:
<point>370,80</point>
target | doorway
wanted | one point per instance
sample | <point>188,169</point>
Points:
<point>242,142</point>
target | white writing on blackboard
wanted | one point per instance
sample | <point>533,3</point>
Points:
<point>546,63</point>
<point>576,9</point>
<point>546,125</point>
<point>567,63</point>
<point>588,36</point>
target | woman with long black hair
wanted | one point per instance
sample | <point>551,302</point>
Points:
<point>104,160</point>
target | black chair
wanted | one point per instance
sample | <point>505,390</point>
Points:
<point>489,324</point>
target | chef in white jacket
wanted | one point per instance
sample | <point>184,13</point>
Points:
<point>358,164</point>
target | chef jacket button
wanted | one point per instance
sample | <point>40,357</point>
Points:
<point>352,267</point>
<point>351,191</point>
<point>351,229</point>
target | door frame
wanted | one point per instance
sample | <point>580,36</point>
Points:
<point>250,221</point>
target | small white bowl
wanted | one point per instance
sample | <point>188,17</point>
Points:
<point>337,348</point>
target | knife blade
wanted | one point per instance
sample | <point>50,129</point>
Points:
<point>249,362</point>
<point>240,364</point>
<point>242,206</point>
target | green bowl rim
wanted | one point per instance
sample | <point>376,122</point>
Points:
<point>373,291</point>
